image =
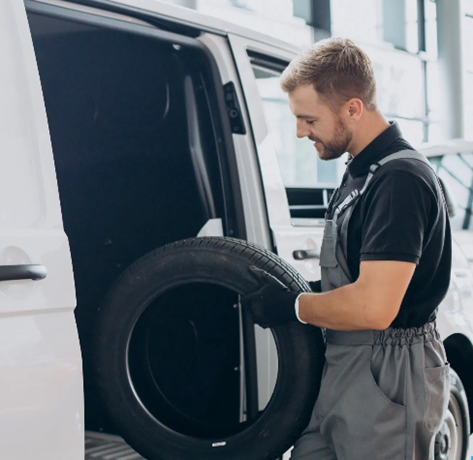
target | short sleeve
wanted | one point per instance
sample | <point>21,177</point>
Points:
<point>396,213</point>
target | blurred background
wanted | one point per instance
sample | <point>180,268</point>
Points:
<point>407,40</point>
<point>422,55</point>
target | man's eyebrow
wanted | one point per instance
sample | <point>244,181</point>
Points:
<point>305,116</point>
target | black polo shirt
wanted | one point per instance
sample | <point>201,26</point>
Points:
<point>399,212</point>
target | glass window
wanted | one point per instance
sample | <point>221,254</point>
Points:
<point>400,89</point>
<point>457,172</point>
<point>433,91</point>
<point>400,24</point>
<point>377,21</point>
<point>359,20</point>
<point>430,9</point>
<point>468,104</point>
<point>383,28</point>
<point>412,25</point>
<point>467,38</point>
<point>468,67</point>
<point>399,81</point>
<point>298,160</point>
<point>412,130</point>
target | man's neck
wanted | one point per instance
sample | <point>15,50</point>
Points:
<point>368,130</point>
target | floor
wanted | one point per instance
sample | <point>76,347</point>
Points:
<point>99,446</point>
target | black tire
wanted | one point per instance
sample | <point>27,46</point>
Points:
<point>451,442</point>
<point>223,262</point>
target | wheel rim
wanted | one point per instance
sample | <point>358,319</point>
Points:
<point>449,440</point>
<point>154,378</point>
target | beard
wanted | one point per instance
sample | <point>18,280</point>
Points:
<point>338,145</point>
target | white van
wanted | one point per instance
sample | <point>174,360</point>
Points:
<point>130,125</point>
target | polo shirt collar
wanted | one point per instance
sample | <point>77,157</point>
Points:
<point>360,164</point>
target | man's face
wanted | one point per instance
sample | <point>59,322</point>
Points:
<point>317,121</point>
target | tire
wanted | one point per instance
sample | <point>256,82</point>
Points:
<point>151,424</point>
<point>451,442</point>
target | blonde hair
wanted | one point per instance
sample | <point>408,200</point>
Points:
<point>338,70</point>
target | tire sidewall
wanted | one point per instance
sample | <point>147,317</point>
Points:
<point>207,260</point>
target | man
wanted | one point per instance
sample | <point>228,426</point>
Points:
<point>385,262</point>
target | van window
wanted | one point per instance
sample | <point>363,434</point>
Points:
<point>299,163</point>
<point>308,180</point>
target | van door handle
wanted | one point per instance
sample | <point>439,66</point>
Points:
<point>23,272</point>
<point>301,254</point>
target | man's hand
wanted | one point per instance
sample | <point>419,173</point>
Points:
<point>273,303</point>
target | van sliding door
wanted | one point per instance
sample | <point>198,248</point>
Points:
<point>295,213</point>
<point>41,399</point>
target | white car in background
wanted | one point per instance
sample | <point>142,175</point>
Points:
<point>453,162</point>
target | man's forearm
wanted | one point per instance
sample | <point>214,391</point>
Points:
<point>371,302</point>
<point>346,308</point>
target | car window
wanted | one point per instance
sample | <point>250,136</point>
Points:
<point>457,171</point>
<point>298,160</point>
<point>308,180</point>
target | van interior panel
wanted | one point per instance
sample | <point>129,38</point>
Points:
<point>137,168</point>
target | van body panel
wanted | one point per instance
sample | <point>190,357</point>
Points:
<point>41,390</point>
<point>41,393</point>
<point>87,9</point>
<point>252,194</point>
<point>201,21</point>
<point>255,211</point>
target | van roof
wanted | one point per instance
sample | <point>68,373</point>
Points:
<point>187,16</point>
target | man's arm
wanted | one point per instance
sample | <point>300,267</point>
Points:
<point>397,210</point>
<point>371,302</point>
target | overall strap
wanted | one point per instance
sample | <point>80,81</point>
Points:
<point>356,195</point>
<point>401,155</point>
<point>406,155</point>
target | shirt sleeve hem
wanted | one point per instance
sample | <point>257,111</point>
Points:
<point>391,256</point>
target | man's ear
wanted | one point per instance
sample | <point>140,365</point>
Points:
<point>354,109</point>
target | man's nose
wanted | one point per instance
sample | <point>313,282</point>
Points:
<point>301,131</point>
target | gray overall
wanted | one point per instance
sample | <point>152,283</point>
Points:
<point>384,394</point>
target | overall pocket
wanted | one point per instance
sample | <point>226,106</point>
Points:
<point>379,379</point>
<point>437,394</point>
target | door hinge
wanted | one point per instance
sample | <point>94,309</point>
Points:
<point>233,109</point>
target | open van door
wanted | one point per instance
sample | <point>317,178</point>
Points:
<point>271,220</point>
<point>41,398</point>
<point>297,184</point>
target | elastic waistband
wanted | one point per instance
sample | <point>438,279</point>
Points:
<point>390,336</point>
